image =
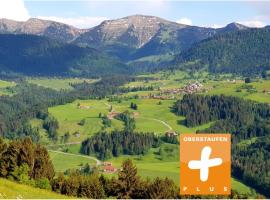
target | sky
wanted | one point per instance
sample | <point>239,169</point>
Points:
<point>89,13</point>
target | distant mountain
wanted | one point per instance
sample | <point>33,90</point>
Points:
<point>36,55</point>
<point>138,36</point>
<point>54,30</point>
<point>129,38</point>
<point>246,51</point>
<point>122,37</point>
<point>232,27</point>
<point>143,42</point>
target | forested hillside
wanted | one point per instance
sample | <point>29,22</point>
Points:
<point>35,55</point>
<point>33,101</point>
<point>245,51</point>
<point>245,120</point>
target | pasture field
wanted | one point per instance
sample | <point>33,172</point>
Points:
<point>63,161</point>
<point>12,190</point>
<point>57,83</point>
<point>5,87</point>
<point>151,116</point>
<point>150,165</point>
<point>224,84</point>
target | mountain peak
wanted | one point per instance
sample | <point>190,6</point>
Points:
<point>137,30</point>
<point>235,26</point>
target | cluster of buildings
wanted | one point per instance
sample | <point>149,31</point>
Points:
<point>168,94</point>
<point>188,89</point>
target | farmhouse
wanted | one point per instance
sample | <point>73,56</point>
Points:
<point>109,169</point>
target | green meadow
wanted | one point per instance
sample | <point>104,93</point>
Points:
<point>5,87</point>
<point>149,165</point>
<point>151,116</point>
<point>226,84</point>
<point>58,83</point>
<point>12,190</point>
<point>63,161</point>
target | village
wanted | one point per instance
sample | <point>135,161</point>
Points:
<point>173,93</point>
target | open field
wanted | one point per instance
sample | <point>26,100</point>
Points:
<point>12,190</point>
<point>57,83</point>
<point>150,165</point>
<point>63,161</point>
<point>223,84</point>
<point>5,87</point>
<point>150,117</point>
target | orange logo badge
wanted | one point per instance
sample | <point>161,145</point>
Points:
<point>205,164</point>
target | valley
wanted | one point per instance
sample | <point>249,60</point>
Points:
<point>97,112</point>
<point>151,115</point>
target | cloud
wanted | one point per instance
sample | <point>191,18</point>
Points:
<point>79,22</point>
<point>184,20</point>
<point>253,23</point>
<point>13,9</point>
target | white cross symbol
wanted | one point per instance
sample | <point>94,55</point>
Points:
<point>204,164</point>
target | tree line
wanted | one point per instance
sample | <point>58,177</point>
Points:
<point>230,114</point>
<point>105,145</point>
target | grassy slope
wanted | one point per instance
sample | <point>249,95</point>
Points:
<point>57,83</point>
<point>62,162</point>
<point>151,166</point>
<point>12,190</point>
<point>4,85</point>
<point>149,119</point>
<point>218,85</point>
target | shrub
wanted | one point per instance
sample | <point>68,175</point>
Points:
<point>43,183</point>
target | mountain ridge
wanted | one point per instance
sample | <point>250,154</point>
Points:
<point>40,27</point>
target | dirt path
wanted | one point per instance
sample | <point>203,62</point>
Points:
<point>98,162</point>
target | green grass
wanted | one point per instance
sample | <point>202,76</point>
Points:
<point>151,166</point>
<point>57,83</point>
<point>69,115</point>
<point>12,190</point>
<point>240,187</point>
<point>151,117</point>
<point>62,162</point>
<point>213,85</point>
<point>5,87</point>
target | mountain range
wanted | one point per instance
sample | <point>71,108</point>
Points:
<point>128,38</point>
<point>141,42</point>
